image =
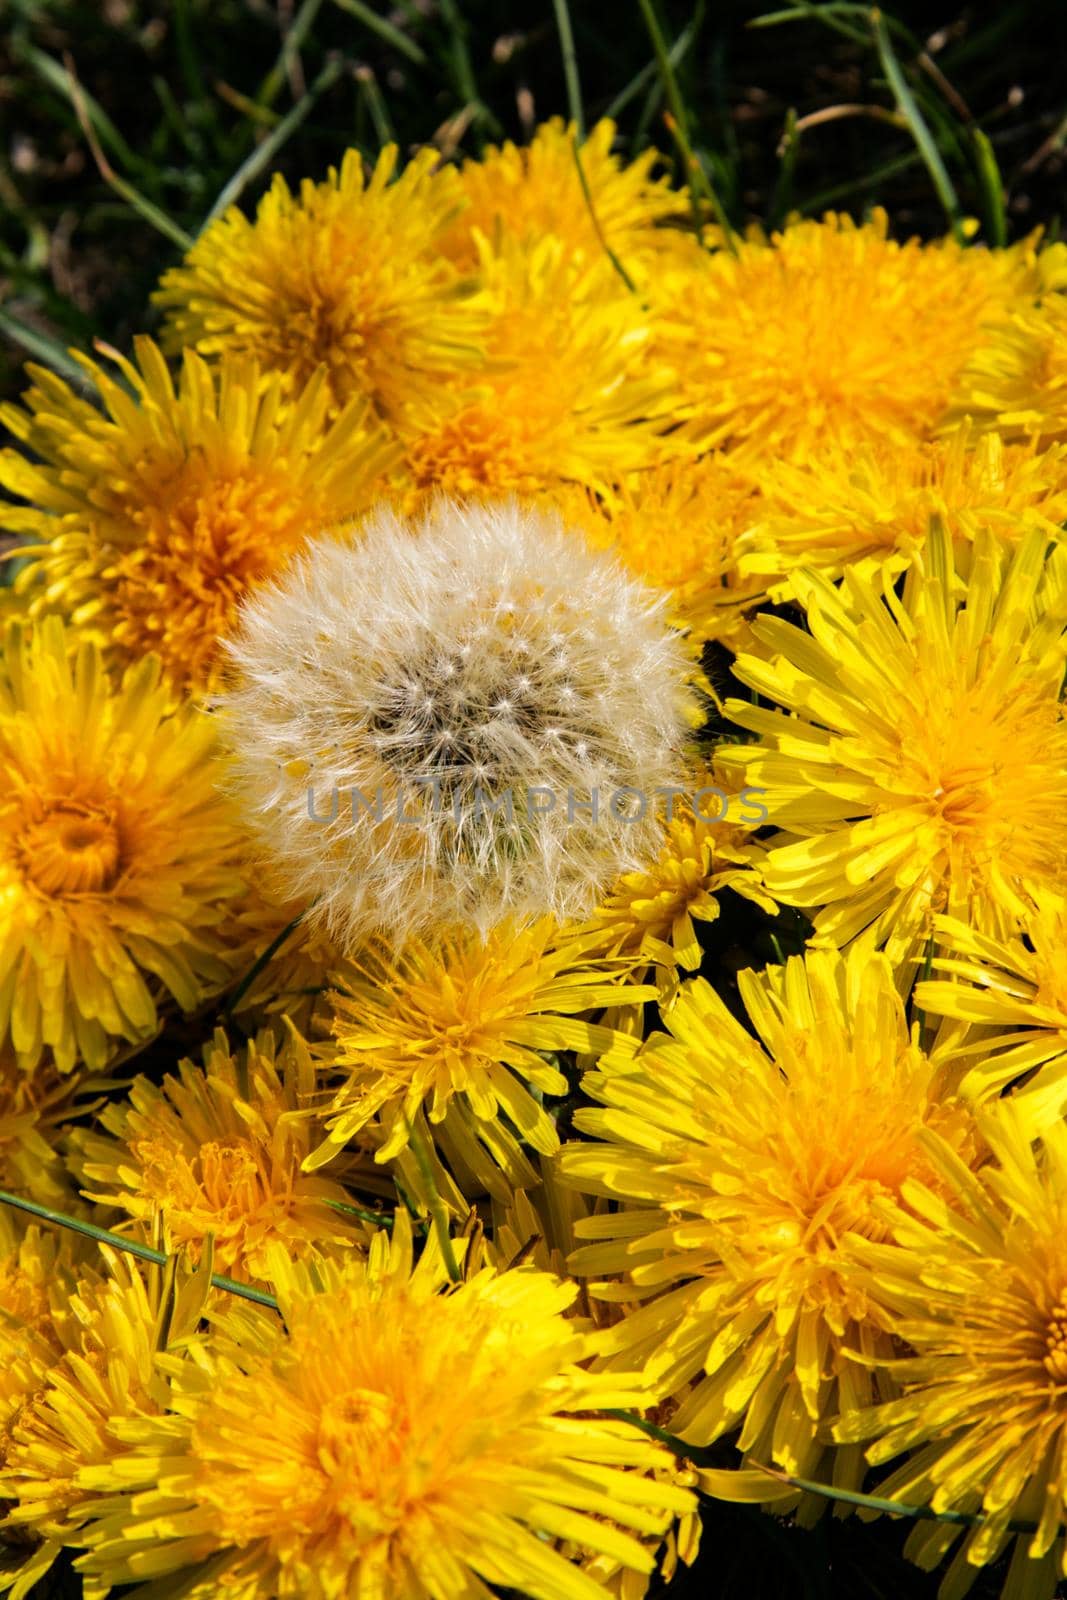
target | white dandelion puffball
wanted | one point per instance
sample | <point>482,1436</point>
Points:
<point>453,721</point>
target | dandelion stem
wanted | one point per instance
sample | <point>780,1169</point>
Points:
<point>257,967</point>
<point>605,246</point>
<point>924,139</point>
<point>892,1508</point>
<point>131,1247</point>
<point>678,124</point>
<point>570,66</point>
<point>852,1497</point>
<point>265,152</point>
<point>381,1219</point>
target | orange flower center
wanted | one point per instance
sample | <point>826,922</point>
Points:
<point>482,452</point>
<point>222,1182</point>
<point>354,1428</point>
<point>72,849</point>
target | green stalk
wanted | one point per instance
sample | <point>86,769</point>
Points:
<point>696,177</point>
<point>851,1497</point>
<point>131,1247</point>
<point>386,31</point>
<point>570,66</point>
<point>257,967</point>
<point>265,152</point>
<point>604,245</point>
<point>909,109</point>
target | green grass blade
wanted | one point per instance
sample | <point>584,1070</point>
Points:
<point>871,180</point>
<point>174,118</point>
<point>462,68</point>
<point>367,86</point>
<point>831,15</point>
<point>570,66</point>
<point>147,209</point>
<point>783,186</point>
<point>130,1247</point>
<point>992,187</point>
<point>133,197</point>
<point>99,131</point>
<point>696,176</point>
<point>265,152</point>
<point>676,54</point>
<point>257,967</point>
<point>61,79</point>
<point>295,35</point>
<point>909,109</point>
<point>390,35</point>
<point>43,348</point>
<point>605,246</point>
<point>187,56</point>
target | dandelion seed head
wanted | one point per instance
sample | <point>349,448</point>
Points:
<point>387,666</point>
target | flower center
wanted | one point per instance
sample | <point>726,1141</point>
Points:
<point>991,778</point>
<point>354,1426</point>
<point>476,453</point>
<point>203,539</point>
<point>72,849</point>
<point>964,800</point>
<point>221,1183</point>
<point>1056,1342</point>
<point>230,1178</point>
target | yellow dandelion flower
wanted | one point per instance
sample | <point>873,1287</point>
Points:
<point>118,854</point>
<point>464,1030</point>
<point>829,333</point>
<point>423,1444</point>
<point>681,1545</point>
<point>36,1289</point>
<point>876,504</point>
<point>569,392</point>
<point>977,1277</point>
<point>1016,380</point>
<point>34,1107</point>
<point>706,848</point>
<point>745,1168</point>
<point>217,1149</point>
<point>526,193</point>
<point>41,1275</point>
<point>105,1375</point>
<point>347,274</point>
<point>153,518</point>
<point>918,763</point>
<point>679,527</point>
<point>1012,996</point>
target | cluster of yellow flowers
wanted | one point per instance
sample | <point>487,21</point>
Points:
<point>420,1212</point>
